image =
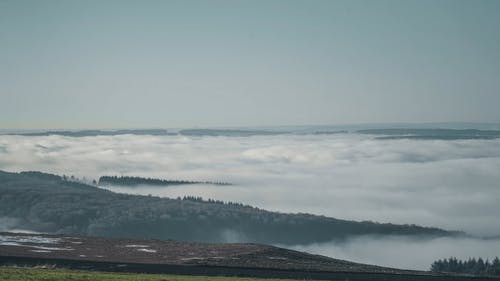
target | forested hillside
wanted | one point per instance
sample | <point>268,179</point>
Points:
<point>48,203</point>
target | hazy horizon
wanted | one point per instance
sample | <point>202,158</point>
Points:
<point>285,127</point>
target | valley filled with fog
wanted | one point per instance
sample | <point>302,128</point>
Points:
<point>451,184</point>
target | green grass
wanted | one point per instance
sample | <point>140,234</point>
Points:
<point>36,274</point>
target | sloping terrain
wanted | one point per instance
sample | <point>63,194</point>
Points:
<point>156,256</point>
<point>170,252</point>
<point>47,203</point>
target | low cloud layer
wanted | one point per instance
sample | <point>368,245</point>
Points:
<point>448,184</point>
<point>405,252</point>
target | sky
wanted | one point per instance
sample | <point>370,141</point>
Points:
<point>115,64</point>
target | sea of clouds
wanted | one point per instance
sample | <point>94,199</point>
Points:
<point>451,184</point>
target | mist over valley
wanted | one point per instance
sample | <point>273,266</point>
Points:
<point>442,182</point>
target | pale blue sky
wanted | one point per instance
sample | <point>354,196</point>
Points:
<point>102,64</point>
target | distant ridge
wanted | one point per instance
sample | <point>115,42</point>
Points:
<point>93,133</point>
<point>381,133</point>
<point>229,132</point>
<point>432,134</point>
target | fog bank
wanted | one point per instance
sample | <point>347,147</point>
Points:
<point>448,184</point>
<point>405,252</point>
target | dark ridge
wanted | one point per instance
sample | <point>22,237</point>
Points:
<point>47,203</point>
<point>330,132</point>
<point>433,134</point>
<point>133,181</point>
<point>93,133</point>
<point>228,132</point>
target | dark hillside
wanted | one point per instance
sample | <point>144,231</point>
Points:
<point>47,203</point>
<point>173,257</point>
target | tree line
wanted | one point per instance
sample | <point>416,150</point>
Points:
<point>213,201</point>
<point>130,181</point>
<point>470,266</point>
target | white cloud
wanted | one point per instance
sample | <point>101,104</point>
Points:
<point>449,184</point>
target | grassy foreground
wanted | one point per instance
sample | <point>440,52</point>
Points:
<point>35,274</point>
